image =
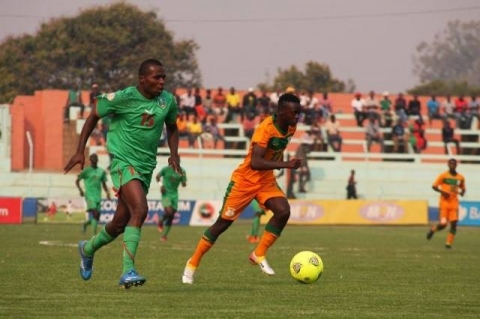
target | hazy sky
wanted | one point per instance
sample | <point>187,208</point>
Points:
<point>244,42</point>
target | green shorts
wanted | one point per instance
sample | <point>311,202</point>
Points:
<point>170,200</point>
<point>122,173</point>
<point>93,203</point>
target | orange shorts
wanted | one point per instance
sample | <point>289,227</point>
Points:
<point>238,196</point>
<point>448,213</point>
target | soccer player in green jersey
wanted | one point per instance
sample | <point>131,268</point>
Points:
<point>94,179</point>
<point>139,114</point>
<point>169,181</point>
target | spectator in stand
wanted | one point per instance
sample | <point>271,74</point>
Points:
<point>182,124</point>
<point>249,123</point>
<point>264,102</point>
<point>194,131</point>
<point>372,106</point>
<point>220,103</point>
<point>358,105</point>
<point>374,134</point>
<point>414,107</point>
<point>303,171</point>
<point>74,99</point>
<point>208,102</point>
<point>417,138</point>
<point>177,97</point>
<point>333,134</point>
<point>249,103</point>
<point>305,116</point>
<point>473,107</point>
<point>211,132</point>
<point>318,141</point>
<point>433,107</point>
<point>400,107</point>
<point>386,108</point>
<point>448,107</point>
<point>187,103</point>
<point>463,118</point>
<point>449,137</point>
<point>326,106</point>
<point>199,109</point>
<point>399,136</point>
<point>274,96</point>
<point>314,107</point>
<point>235,111</point>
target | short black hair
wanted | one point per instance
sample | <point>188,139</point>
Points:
<point>288,98</point>
<point>147,64</point>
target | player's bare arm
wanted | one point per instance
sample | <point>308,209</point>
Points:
<point>105,188</point>
<point>172,139</point>
<point>259,162</point>
<point>435,188</point>
<point>80,190</point>
<point>79,156</point>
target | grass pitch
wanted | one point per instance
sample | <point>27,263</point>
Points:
<point>370,272</point>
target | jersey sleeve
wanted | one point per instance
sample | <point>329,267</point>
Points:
<point>438,181</point>
<point>171,117</point>
<point>261,136</point>
<point>108,103</point>
<point>82,175</point>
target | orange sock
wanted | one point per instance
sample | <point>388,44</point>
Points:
<point>202,248</point>
<point>267,240</point>
<point>450,238</point>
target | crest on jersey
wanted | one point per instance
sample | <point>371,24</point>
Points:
<point>110,96</point>
<point>161,103</point>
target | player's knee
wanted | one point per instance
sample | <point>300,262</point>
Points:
<point>282,213</point>
<point>139,212</point>
<point>220,226</point>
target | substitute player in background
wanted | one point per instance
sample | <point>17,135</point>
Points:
<point>169,181</point>
<point>449,184</point>
<point>139,114</point>
<point>94,179</point>
<point>254,179</point>
<point>259,211</point>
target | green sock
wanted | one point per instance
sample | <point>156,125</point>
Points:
<point>131,238</point>
<point>166,230</point>
<point>94,226</point>
<point>255,225</point>
<point>97,242</point>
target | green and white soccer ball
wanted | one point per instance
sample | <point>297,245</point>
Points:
<point>306,267</point>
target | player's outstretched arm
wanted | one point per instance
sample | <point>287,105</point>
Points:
<point>79,156</point>
<point>259,162</point>
<point>172,139</point>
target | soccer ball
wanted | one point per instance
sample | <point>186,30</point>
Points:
<point>306,267</point>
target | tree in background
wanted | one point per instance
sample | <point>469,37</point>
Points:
<point>316,77</point>
<point>451,62</point>
<point>102,44</point>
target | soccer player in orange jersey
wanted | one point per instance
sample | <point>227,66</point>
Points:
<point>449,184</point>
<point>254,179</point>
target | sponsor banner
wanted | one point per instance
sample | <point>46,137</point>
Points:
<point>155,211</point>
<point>10,210</point>
<point>29,209</point>
<point>357,212</point>
<point>469,214</point>
<point>205,212</point>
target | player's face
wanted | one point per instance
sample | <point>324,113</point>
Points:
<point>291,113</point>
<point>452,165</point>
<point>153,81</point>
<point>93,160</point>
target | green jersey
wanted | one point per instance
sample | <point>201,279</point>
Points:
<point>171,180</point>
<point>93,179</point>
<point>136,125</point>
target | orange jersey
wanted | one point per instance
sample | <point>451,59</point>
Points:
<point>451,184</point>
<point>269,136</point>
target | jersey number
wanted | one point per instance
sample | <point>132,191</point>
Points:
<point>147,120</point>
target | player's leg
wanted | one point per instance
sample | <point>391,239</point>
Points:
<point>453,218</point>
<point>235,200</point>
<point>87,222</point>
<point>276,201</point>
<point>95,219</point>
<point>253,237</point>
<point>441,225</point>
<point>134,196</point>
<point>168,217</point>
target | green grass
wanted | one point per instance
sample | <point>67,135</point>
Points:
<point>370,272</point>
